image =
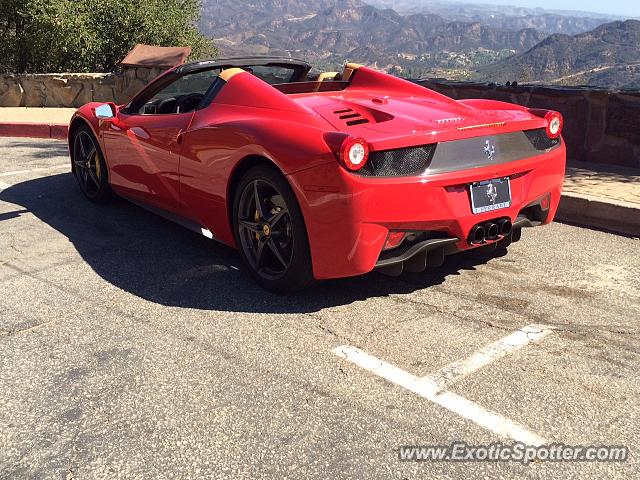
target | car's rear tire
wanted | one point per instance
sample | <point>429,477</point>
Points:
<point>89,166</point>
<point>270,231</point>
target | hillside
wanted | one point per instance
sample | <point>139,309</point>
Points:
<point>327,32</point>
<point>607,56</point>
<point>464,41</point>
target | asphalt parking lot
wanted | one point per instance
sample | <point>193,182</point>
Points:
<point>133,348</point>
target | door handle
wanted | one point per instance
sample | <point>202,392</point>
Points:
<point>179,138</point>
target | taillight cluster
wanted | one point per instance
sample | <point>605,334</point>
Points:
<point>554,124</point>
<point>351,152</point>
<point>554,121</point>
<point>354,153</point>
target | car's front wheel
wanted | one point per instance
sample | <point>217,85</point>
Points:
<point>89,166</point>
<point>270,231</point>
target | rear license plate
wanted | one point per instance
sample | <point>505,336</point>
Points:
<point>490,195</point>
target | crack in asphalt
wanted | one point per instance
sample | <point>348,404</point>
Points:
<point>577,329</point>
<point>453,314</point>
<point>326,329</point>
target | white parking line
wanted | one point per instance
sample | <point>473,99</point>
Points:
<point>15,172</point>
<point>36,169</point>
<point>4,185</point>
<point>461,368</point>
<point>431,387</point>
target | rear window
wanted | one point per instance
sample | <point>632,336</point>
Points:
<point>272,74</point>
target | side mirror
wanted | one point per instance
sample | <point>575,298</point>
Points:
<point>106,111</point>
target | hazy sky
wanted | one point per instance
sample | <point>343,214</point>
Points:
<point>614,7</point>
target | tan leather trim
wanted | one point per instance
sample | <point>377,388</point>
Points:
<point>324,75</point>
<point>346,74</point>
<point>349,68</point>
<point>229,72</point>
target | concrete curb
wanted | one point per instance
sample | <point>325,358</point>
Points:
<point>34,130</point>
<point>597,212</point>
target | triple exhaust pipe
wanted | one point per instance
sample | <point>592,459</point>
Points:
<point>490,231</point>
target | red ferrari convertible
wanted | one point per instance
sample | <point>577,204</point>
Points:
<point>322,177</point>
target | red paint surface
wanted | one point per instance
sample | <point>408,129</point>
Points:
<point>347,216</point>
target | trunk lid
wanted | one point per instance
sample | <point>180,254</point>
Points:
<point>385,121</point>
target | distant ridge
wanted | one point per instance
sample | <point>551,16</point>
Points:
<point>330,31</point>
<point>608,56</point>
<point>507,17</point>
<point>466,42</point>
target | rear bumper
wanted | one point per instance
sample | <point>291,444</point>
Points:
<point>348,217</point>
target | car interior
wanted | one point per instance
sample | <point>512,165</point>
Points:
<point>186,93</point>
<point>182,95</point>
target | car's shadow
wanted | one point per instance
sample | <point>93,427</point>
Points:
<point>162,262</point>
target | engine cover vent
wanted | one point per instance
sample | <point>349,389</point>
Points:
<point>350,117</point>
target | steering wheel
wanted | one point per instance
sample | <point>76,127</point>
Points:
<point>188,102</point>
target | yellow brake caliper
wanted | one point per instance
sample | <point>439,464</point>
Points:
<point>96,159</point>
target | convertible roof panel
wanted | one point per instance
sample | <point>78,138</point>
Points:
<point>243,62</point>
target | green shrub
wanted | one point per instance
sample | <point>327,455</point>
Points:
<point>92,35</point>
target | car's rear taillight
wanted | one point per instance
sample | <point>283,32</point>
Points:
<point>354,153</point>
<point>351,152</point>
<point>554,124</point>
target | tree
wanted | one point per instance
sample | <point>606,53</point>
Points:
<point>92,35</point>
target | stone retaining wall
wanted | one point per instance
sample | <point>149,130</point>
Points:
<point>600,126</point>
<point>72,89</point>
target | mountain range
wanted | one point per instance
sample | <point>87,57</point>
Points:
<point>503,16</point>
<point>328,32</point>
<point>468,42</point>
<point>607,56</point>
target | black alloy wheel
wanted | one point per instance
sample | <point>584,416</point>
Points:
<point>270,231</point>
<point>89,167</point>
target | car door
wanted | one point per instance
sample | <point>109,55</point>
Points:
<point>145,141</point>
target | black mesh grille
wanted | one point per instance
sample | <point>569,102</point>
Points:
<point>398,163</point>
<point>540,140</point>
